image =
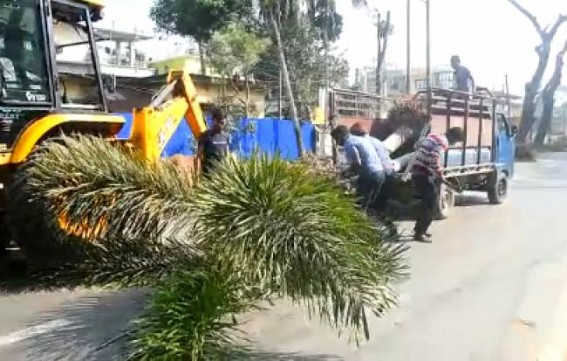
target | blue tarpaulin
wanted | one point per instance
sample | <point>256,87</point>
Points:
<point>266,135</point>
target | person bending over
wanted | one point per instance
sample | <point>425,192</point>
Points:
<point>427,175</point>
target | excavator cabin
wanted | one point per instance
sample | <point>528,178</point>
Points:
<point>34,36</point>
<point>45,91</point>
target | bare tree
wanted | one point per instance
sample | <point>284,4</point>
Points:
<point>542,50</point>
<point>548,97</point>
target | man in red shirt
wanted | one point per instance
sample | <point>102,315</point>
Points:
<point>427,173</point>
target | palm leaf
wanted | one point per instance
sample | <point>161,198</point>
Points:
<point>141,211</point>
<point>299,236</point>
<point>193,316</point>
<point>264,226</point>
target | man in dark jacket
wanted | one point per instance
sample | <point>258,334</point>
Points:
<point>214,143</point>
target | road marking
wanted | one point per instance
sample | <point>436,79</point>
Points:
<point>26,333</point>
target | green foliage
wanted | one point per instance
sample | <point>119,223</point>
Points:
<point>192,316</point>
<point>258,228</point>
<point>143,207</point>
<point>324,17</point>
<point>198,18</point>
<point>89,180</point>
<point>297,235</point>
<point>305,54</point>
<point>235,50</point>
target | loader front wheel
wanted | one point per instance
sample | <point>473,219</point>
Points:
<point>41,243</point>
<point>5,237</point>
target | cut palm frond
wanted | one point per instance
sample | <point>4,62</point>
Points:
<point>193,316</point>
<point>299,236</point>
<point>80,198</point>
<point>257,228</point>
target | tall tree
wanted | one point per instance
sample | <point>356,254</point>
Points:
<point>543,50</point>
<point>198,19</point>
<point>233,52</point>
<point>274,12</point>
<point>548,98</point>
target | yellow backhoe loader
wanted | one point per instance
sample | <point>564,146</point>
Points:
<point>42,97</point>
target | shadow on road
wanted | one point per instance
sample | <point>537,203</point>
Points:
<point>89,323</point>
<point>94,328</point>
<point>471,200</point>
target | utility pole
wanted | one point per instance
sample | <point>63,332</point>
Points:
<point>428,42</point>
<point>379,54</point>
<point>508,102</point>
<point>428,53</point>
<point>408,47</point>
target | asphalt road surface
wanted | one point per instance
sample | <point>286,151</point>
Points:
<point>491,286</point>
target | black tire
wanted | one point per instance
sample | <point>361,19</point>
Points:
<point>5,237</point>
<point>445,203</point>
<point>497,188</point>
<point>30,230</point>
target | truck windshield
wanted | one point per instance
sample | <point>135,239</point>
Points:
<point>23,71</point>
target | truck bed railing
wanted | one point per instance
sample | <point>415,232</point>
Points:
<point>478,106</point>
<point>445,101</point>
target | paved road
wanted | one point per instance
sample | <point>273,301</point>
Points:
<point>492,286</point>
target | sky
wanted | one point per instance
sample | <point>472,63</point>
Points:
<point>492,38</point>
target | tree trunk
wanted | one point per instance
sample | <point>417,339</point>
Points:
<point>288,87</point>
<point>532,89</point>
<point>247,80</point>
<point>545,122</point>
<point>548,98</point>
<point>383,34</point>
<point>202,58</point>
<point>546,35</point>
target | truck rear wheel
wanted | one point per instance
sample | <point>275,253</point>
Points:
<point>445,202</point>
<point>497,188</point>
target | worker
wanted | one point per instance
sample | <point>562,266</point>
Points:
<point>427,176</point>
<point>364,162</point>
<point>214,143</point>
<point>387,166</point>
<point>463,78</point>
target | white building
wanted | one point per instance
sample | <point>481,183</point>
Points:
<point>116,52</point>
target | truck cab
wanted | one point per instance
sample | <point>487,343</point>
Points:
<point>505,146</point>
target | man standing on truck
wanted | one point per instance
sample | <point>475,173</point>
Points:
<point>364,162</point>
<point>463,78</point>
<point>214,143</point>
<point>427,175</point>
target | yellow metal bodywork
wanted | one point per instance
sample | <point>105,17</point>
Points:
<point>30,137</point>
<point>152,127</point>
